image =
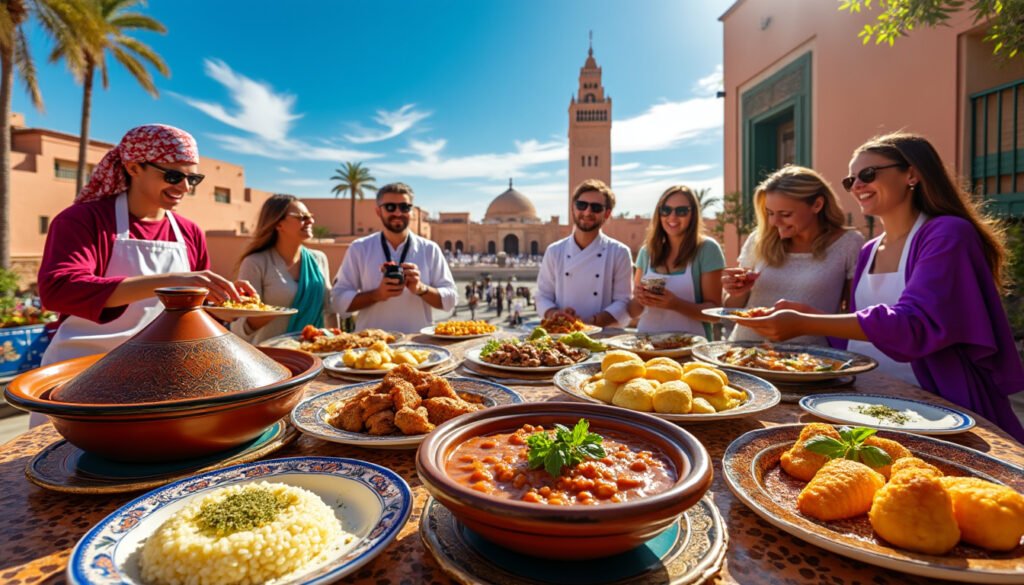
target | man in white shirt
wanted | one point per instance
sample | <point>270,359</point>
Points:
<point>588,274</point>
<point>392,279</point>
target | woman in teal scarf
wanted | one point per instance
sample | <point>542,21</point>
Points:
<point>283,271</point>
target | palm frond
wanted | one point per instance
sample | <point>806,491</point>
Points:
<point>136,21</point>
<point>27,69</point>
<point>146,52</point>
<point>137,69</point>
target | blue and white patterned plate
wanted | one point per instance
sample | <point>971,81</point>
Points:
<point>310,415</point>
<point>921,417</point>
<point>335,362</point>
<point>853,363</point>
<point>372,502</point>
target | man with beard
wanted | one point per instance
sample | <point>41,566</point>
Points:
<point>392,279</point>
<point>587,275</point>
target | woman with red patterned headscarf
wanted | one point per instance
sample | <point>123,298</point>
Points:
<point>119,241</point>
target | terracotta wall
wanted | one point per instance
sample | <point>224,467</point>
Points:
<point>226,249</point>
<point>335,215</point>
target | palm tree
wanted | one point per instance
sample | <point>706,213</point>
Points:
<point>705,199</point>
<point>352,178</point>
<point>86,53</point>
<point>58,18</point>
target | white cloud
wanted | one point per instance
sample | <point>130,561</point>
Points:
<point>667,125</point>
<point>285,170</point>
<point>306,183</point>
<point>665,171</point>
<point>395,123</point>
<point>639,196</point>
<point>711,84</point>
<point>288,149</point>
<point>625,167</point>
<point>430,163</point>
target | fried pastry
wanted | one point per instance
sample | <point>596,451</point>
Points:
<point>663,371</point>
<point>603,390</point>
<point>704,381</point>
<point>673,397</point>
<point>636,394</point>
<point>914,511</point>
<point>989,515</point>
<point>801,463</point>
<point>688,366</point>
<point>624,371</point>
<point>840,489</point>
<point>892,448</point>
<point>913,463</point>
<point>701,405</point>
<point>616,356</point>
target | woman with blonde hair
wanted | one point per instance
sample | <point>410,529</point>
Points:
<point>678,270</point>
<point>283,271</point>
<point>801,251</point>
<point>926,292</point>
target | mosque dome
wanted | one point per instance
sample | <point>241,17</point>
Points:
<point>511,206</point>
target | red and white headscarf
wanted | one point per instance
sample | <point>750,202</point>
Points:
<point>155,143</point>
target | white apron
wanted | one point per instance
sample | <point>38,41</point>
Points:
<point>656,320</point>
<point>885,289</point>
<point>77,337</point>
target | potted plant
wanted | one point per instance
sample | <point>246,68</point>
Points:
<point>23,336</point>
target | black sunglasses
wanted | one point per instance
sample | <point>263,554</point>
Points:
<point>868,174</point>
<point>391,207</point>
<point>595,207</point>
<point>174,177</point>
<point>303,217</point>
<point>680,211</point>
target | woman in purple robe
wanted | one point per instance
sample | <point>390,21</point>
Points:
<point>926,293</point>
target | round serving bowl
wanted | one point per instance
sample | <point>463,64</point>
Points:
<point>167,430</point>
<point>566,532</point>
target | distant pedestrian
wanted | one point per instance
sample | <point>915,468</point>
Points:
<point>473,301</point>
<point>499,295</point>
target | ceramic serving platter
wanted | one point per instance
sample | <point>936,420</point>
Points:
<point>913,415</point>
<point>473,355</point>
<point>761,394</point>
<point>438,355</point>
<point>854,363</point>
<point>62,467</point>
<point>372,503</point>
<point>310,415</point>
<point>688,552</point>
<point>293,341</point>
<point>229,314</point>
<point>639,342</point>
<point>429,330</point>
<point>752,472</point>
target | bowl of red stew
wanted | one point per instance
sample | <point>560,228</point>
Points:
<point>527,477</point>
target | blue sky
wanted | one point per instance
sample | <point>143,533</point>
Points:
<point>452,97</point>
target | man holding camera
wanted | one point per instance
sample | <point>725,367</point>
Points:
<point>587,275</point>
<point>392,279</point>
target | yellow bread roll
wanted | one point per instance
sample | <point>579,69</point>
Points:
<point>701,405</point>
<point>663,361</point>
<point>618,355</point>
<point>721,401</point>
<point>637,394</point>
<point>704,381</point>
<point>602,390</point>
<point>663,373</point>
<point>694,365</point>
<point>989,515</point>
<point>673,397</point>
<point>624,371</point>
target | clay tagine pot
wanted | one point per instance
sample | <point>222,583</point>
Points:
<point>182,354</point>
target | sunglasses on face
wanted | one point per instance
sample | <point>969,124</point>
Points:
<point>303,217</point>
<point>174,177</point>
<point>391,207</point>
<point>868,174</point>
<point>595,207</point>
<point>680,211</point>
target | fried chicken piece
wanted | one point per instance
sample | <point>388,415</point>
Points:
<point>413,422</point>
<point>443,408</point>
<point>350,416</point>
<point>405,372</point>
<point>892,448</point>
<point>381,423</point>
<point>989,515</point>
<point>374,403</point>
<point>403,394</point>
<point>801,463</point>
<point>441,388</point>
<point>841,489</point>
<point>914,511</point>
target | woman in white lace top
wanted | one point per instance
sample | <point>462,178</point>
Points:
<point>800,250</point>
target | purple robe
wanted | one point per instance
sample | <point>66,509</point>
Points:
<point>950,323</point>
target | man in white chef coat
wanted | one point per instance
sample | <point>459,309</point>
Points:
<point>587,275</point>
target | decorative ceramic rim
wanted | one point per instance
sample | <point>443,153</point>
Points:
<point>618,342</point>
<point>964,421</point>
<point>535,323</point>
<point>308,415</point>
<point>282,342</point>
<point>762,394</point>
<point>227,313</point>
<point>429,330</point>
<point>92,560</point>
<point>473,355</point>
<point>737,469</point>
<point>709,352</point>
<point>438,356</point>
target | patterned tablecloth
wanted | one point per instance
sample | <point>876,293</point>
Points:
<point>38,528</point>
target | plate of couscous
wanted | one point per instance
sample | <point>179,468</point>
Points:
<point>296,521</point>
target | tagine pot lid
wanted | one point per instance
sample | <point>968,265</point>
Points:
<point>183,354</point>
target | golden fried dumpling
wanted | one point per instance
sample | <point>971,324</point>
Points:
<point>704,381</point>
<point>602,390</point>
<point>673,397</point>
<point>801,463</point>
<point>688,366</point>
<point>349,358</point>
<point>663,369</point>
<point>618,355</point>
<point>914,511</point>
<point>624,371</point>
<point>989,515</point>
<point>913,463</point>
<point>892,448</point>
<point>701,406</point>
<point>841,489</point>
<point>636,394</point>
<point>727,399</point>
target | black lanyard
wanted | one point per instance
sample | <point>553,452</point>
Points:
<point>387,249</point>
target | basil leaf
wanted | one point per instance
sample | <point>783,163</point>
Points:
<point>579,432</point>
<point>592,451</point>
<point>824,445</point>
<point>861,433</point>
<point>557,458</point>
<point>847,434</point>
<point>874,457</point>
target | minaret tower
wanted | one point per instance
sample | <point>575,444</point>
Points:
<point>590,128</point>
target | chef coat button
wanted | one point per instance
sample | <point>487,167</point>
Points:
<point>567,274</point>
<point>597,276</point>
<point>598,255</point>
<point>595,293</point>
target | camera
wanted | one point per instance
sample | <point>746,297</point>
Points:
<point>394,272</point>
